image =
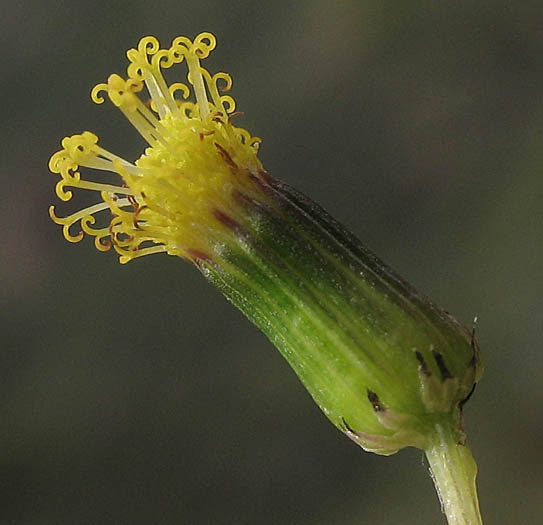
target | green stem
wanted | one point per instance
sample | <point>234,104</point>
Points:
<point>453,471</point>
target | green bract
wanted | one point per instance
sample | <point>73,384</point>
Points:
<point>382,362</point>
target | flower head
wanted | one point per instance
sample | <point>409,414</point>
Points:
<point>172,198</point>
<point>386,366</point>
<point>383,362</point>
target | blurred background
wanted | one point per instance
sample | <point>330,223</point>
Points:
<point>137,394</point>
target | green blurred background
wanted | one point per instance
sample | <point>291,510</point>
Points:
<point>137,394</point>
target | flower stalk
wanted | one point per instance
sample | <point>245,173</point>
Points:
<point>453,471</point>
<point>386,366</point>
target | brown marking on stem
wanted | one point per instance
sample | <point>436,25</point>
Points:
<point>373,398</point>
<point>226,220</point>
<point>226,156</point>
<point>240,197</point>
<point>197,255</point>
<point>423,367</point>
<point>443,370</point>
<point>266,177</point>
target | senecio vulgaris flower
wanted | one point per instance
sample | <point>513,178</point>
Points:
<point>387,367</point>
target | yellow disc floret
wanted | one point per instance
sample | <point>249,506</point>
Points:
<point>168,198</point>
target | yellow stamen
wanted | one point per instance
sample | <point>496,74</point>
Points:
<point>167,199</point>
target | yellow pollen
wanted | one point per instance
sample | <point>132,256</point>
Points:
<point>166,200</point>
